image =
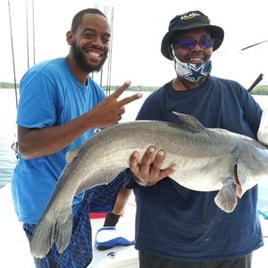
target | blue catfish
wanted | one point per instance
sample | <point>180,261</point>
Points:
<point>207,160</point>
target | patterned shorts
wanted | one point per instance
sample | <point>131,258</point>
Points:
<point>78,254</point>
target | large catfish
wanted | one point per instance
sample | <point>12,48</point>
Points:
<point>207,160</point>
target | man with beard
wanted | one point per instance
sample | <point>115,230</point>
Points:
<point>60,107</point>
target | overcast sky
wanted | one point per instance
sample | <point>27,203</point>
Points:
<point>138,28</point>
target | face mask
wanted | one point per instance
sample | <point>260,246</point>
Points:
<point>191,72</point>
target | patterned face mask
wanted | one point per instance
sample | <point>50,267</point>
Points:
<point>189,71</point>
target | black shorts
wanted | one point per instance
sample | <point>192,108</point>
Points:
<point>151,261</point>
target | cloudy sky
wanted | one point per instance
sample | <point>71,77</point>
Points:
<point>138,28</point>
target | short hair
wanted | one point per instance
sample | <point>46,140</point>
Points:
<point>78,17</point>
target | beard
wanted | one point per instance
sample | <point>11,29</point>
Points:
<point>81,61</point>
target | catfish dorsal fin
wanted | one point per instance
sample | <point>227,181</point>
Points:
<point>189,122</point>
<point>71,155</point>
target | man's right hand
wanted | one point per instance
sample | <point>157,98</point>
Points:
<point>110,110</point>
<point>148,172</point>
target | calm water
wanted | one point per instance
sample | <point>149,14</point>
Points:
<point>7,134</point>
<point>8,131</point>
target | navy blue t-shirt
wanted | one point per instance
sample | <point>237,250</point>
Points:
<point>178,223</point>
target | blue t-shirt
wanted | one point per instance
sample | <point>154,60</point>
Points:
<point>178,223</point>
<point>49,96</point>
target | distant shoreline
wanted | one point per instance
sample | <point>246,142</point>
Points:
<point>8,85</point>
<point>258,90</point>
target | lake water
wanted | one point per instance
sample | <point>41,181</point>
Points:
<point>8,131</point>
<point>7,134</point>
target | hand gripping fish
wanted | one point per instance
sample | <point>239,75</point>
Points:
<point>207,160</point>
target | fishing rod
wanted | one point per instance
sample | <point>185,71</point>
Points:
<point>256,82</point>
<point>260,77</point>
<point>14,145</point>
<point>27,32</point>
<point>27,35</point>
<point>253,45</point>
<point>13,54</point>
<point>109,59</point>
<point>110,54</point>
<point>101,70</point>
<point>33,29</point>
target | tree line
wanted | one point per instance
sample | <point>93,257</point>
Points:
<point>258,90</point>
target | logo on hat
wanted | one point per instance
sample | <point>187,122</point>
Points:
<point>190,16</point>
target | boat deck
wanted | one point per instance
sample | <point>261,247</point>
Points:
<point>14,246</point>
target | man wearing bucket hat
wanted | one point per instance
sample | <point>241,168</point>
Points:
<point>177,227</point>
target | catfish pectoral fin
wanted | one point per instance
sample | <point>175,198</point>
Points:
<point>226,199</point>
